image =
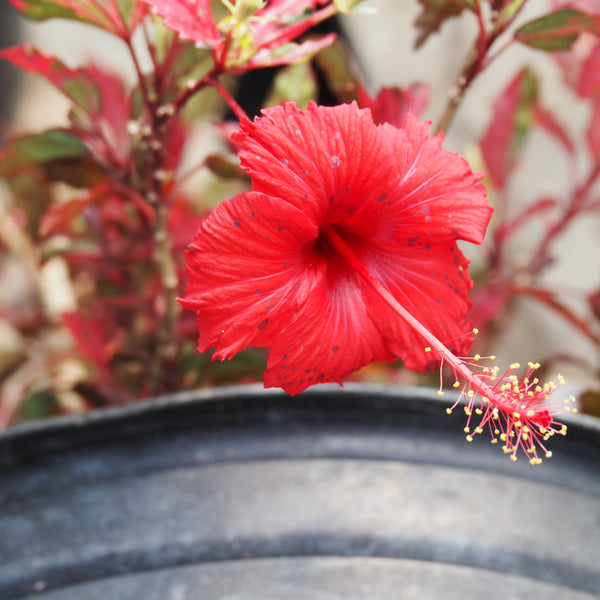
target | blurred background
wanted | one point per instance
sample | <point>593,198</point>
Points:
<point>383,41</point>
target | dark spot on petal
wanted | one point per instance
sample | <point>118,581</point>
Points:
<point>270,308</point>
<point>432,365</point>
<point>427,246</point>
<point>335,161</point>
<point>331,199</point>
<point>257,292</point>
<point>280,228</point>
<point>382,198</point>
<point>334,349</point>
<point>237,224</point>
<point>320,376</point>
<point>304,171</point>
<point>284,162</point>
<point>347,190</point>
<point>263,324</point>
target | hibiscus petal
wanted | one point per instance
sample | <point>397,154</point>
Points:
<point>431,281</point>
<point>245,269</point>
<point>324,160</point>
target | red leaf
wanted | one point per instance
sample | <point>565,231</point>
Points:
<point>76,84</point>
<point>512,117</point>
<point>90,335</point>
<point>588,84</point>
<point>392,105</point>
<point>545,119</point>
<point>191,19</point>
<point>592,134</point>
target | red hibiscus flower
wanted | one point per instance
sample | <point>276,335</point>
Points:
<point>267,268</point>
<point>345,253</point>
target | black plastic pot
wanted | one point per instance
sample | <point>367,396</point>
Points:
<point>240,493</point>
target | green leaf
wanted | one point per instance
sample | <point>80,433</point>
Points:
<point>346,6</point>
<point>38,404</point>
<point>296,83</point>
<point>119,17</point>
<point>558,30</point>
<point>434,13</point>
<point>335,62</point>
<point>36,149</point>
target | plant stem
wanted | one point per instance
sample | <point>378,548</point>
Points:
<point>476,61</point>
<point>456,95</point>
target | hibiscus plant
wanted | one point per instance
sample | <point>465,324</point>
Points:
<point>337,246</point>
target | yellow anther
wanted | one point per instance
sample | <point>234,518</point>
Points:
<point>503,437</point>
<point>478,430</point>
<point>456,384</point>
<point>475,330</point>
<point>561,379</point>
<point>440,393</point>
<point>448,411</point>
<point>516,415</point>
<point>515,365</point>
<point>469,438</point>
<point>494,440</point>
<point>467,411</point>
<point>513,457</point>
<point>428,349</point>
<point>478,411</point>
<point>493,357</point>
<point>548,454</point>
<point>477,357</point>
<point>530,413</point>
<point>467,429</point>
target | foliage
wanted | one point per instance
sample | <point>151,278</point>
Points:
<point>109,197</point>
